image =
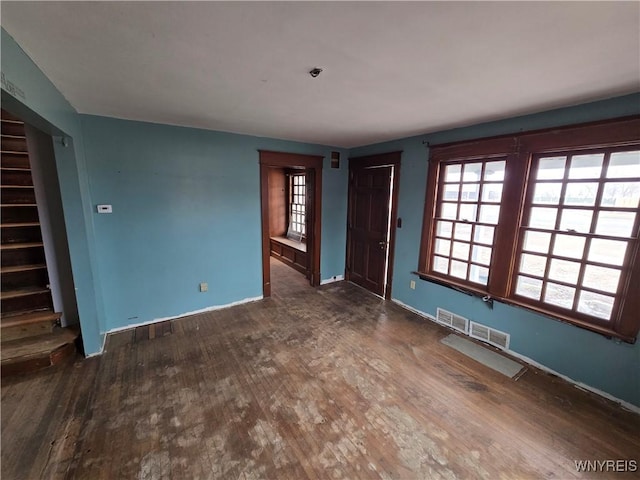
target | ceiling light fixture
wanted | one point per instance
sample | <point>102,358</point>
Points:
<point>314,72</point>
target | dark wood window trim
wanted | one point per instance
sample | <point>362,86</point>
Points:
<point>521,152</point>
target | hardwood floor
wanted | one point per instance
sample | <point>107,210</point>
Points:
<point>286,282</point>
<point>327,383</point>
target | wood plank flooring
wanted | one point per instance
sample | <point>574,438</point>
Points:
<point>324,383</point>
<point>287,282</point>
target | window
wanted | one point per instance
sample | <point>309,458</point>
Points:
<point>545,220</point>
<point>469,197</point>
<point>297,208</point>
<point>579,219</point>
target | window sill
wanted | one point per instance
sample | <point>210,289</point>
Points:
<point>301,246</point>
<point>460,287</point>
<point>467,290</point>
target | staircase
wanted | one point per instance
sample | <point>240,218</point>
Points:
<point>30,333</point>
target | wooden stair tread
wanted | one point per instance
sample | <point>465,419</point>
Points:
<point>15,246</point>
<point>14,136</point>
<point>17,186</point>
<point>22,292</point>
<point>17,319</point>
<point>23,268</point>
<point>16,169</point>
<point>3,205</point>
<point>24,348</point>
<point>6,119</point>
<point>29,323</point>
<point>14,152</point>
<point>21,224</point>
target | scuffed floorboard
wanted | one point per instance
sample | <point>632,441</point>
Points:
<point>324,383</point>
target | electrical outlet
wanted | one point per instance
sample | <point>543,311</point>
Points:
<point>204,287</point>
<point>105,209</point>
<point>412,284</point>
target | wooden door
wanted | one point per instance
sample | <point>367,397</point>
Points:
<point>368,227</point>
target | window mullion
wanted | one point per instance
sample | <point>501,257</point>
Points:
<point>506,233</point>
<point>627,321</point>
<point>592,230</point>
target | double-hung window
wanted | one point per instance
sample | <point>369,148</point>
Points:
<point>545,220</point>
<point>297,208</point>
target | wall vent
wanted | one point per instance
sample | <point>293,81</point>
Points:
<point>452,320</point>
<point>489,335</point>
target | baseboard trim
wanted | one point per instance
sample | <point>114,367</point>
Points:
<point>175,317</point>
<point>414,310</point>
<point>101,351</point>
<point>582,386</point>
<point>335,278</point>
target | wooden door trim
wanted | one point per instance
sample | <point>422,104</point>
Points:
<point>287,159</point>
<point>269,158</point>
<point>382,159</point>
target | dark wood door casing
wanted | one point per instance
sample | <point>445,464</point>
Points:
<point>370,190</point>
<point>313,164</point>
<point>310,181</point>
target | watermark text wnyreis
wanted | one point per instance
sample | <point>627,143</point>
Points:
<point>606,465</point>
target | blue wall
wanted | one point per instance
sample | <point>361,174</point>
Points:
<point>587,357</point>
<point>186,209</point>
<point>43,106</point>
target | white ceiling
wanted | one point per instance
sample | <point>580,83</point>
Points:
<point>390,69</point>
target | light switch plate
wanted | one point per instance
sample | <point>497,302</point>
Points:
<point>105,209</point>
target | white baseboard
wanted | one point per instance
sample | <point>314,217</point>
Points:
<point>576,384</point>
<point>335,278</point>
<point>174,317</point>
<point>99,352</point>
<point>414,310</point>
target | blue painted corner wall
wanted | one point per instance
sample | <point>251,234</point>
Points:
<point>42,105</point>
<point>586,357</point>
<point>186,209</point>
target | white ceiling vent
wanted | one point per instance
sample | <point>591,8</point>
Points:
<point>489,335</point>
<point>452,320</point>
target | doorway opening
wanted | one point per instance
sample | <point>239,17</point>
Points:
<point>372,219</point>
<point>39,310</point>
<point>290,192</point>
